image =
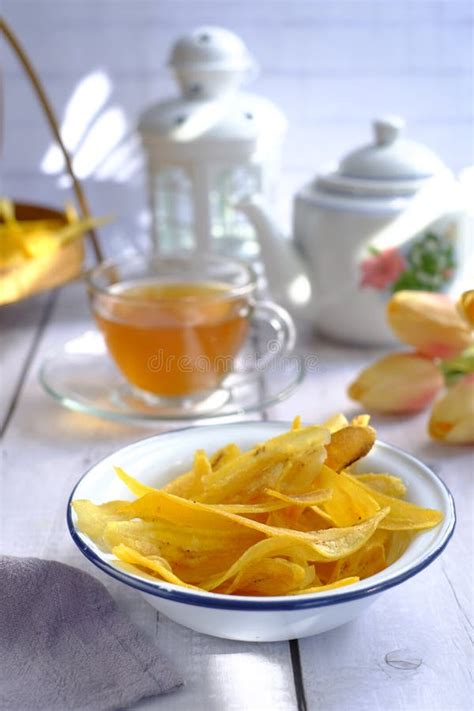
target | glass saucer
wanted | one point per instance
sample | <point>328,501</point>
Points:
<point>82,377</point>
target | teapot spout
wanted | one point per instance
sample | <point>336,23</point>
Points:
<point>286,275</point>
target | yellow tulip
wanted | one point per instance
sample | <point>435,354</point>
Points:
<point>466,307</point>
<point>400,382</point>
<point>428,322</point>
<point>452,419</point>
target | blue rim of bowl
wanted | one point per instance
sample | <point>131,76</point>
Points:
<point>229,602</point>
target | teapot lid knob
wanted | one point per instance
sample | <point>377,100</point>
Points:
<point>387,129</point>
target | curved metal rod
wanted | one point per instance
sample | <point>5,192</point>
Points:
<point>43,99</point>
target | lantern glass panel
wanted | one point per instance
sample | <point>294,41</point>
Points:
<point>228,185</point>
<point>174,213</point>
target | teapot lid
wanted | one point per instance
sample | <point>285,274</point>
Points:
<point>390,165</point>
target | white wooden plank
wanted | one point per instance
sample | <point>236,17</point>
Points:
<point>222,674</point>
<point>218,674</point>
<point>329,368</point>
<point>19,325</point>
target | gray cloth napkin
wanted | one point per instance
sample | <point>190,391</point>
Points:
<point>65,646</point>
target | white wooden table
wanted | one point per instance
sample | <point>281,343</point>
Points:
<point>411,650</point>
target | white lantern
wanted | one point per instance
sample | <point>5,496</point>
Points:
<point>209,146</point>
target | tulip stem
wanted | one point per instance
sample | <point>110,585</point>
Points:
<point>458,367</point>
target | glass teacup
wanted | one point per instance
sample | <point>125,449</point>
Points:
<point>175,325</point>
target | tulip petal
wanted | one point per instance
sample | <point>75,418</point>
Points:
<point>466,307</point>
<point>429,322</point>
<point>400,382</point>
<point>452,419</point>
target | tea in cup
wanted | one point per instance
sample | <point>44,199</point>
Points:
<point>174,325</point>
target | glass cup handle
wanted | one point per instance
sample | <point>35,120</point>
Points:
<point>284,329</point>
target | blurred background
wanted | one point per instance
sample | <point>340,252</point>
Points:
<point>330,66</point>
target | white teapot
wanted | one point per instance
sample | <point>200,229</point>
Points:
<point>390,217</point>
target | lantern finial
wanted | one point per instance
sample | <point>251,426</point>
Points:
<point>210,61</point>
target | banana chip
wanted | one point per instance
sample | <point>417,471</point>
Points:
<point>349,444</point>
<point>93,520</point>
<point>311,498</point>
<point>350,503</point>
<point>403,516</point>
<point>286,518</point>
<point>154,563</point>
<point>336,422</point>
<point>385,483</point>
<point>329,586</point>
<point>181,486</point>
<point>251,472</point>
<point>136,487</point>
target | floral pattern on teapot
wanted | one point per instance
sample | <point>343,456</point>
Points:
<point>428,262</point>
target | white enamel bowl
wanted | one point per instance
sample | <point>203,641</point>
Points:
<point>157,459</point>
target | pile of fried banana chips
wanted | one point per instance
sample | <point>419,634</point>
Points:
<point>288,517</point>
